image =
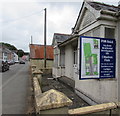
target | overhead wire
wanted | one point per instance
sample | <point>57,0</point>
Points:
<point>9,21</point>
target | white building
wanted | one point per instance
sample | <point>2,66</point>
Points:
<point>6,54</point>
<point>94,20</point>
<point>15,57</point>
<point>58,67</point>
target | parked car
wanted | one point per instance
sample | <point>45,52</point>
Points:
<point>22,62</point>
<point>11,62</point>
<point>0,65</point>
<point>17,62</point>
<point>5,66</point>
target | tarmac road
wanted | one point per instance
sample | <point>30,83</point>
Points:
<point>15,87</point>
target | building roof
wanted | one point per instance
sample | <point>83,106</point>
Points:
<point>102,6</point>
<point>4,48</point>
<point>37,51</point>
<point>98,7</point>
<point>7,49</point>
<point>59,37</point>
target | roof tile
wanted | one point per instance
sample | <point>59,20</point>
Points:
<point>102,6</point>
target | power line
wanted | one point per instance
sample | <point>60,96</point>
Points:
<point>9,21</point>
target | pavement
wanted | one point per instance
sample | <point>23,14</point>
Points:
<point>15,89</point>
<point>49,83</point>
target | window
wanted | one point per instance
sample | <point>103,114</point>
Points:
<point>56,60</point>
<point>62,57</point>
<point>75,56</point>
<point>109,33</point>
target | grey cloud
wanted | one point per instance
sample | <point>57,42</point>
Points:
<point>61,17</point>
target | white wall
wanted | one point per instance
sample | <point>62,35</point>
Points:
<point>98,91</point>
<point>68,69</point>
<point>15,57</point>
<point>69,61</point>
<point>56,70</point>
<point>118,57</point>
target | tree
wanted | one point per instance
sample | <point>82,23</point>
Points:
<point>20,52</point>
<point>9,46</point>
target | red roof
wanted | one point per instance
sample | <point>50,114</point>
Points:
<point>37,51</point>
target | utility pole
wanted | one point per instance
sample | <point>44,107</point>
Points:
<point>45,39</point>
<point>31,40</point>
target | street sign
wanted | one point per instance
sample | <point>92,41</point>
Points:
<point>97,58</point>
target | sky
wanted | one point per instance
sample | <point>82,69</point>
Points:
<point>19,19</point>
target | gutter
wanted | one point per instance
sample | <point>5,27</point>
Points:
<point>111,13</point>
<point>105,15</point>
<point>108,12</point>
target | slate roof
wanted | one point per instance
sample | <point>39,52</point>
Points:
<point>102,6</point>
<point>37,51</point>
<point>60,37</point>
<point>99,6</point>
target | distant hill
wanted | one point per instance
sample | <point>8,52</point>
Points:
<point>9,46</point>
<point>19,52</point>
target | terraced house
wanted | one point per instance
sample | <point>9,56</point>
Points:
<point>88,60</point>
<point>6,54</point>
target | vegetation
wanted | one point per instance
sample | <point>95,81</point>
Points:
<point>19,52</point>
<point>9,46</point>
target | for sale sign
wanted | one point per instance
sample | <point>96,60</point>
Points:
<point>97,57</point>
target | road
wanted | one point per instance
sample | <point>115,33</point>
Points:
<point>15,89</point>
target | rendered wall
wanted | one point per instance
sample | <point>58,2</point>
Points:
<point>40,63</point>
<point>56,72</point>
<point>97,90</point>
<point>69,61</point>
<point>118,57</point>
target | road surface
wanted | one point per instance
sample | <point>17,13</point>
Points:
<point>15,89</point>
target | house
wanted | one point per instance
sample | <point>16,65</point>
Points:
<point>37,56</point>
<point>25,57</point>
<point>58,67</point>
<point>7,55</point>
<point>15,57</point>
<point>91,54</point>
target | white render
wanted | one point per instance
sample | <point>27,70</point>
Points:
<point>93,91</point>
<point>98,90</point>
<point>15,57</point>
<point>69,61</point>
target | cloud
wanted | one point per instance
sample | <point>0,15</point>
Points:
<point>17,29</point>
<point>22,19</point>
